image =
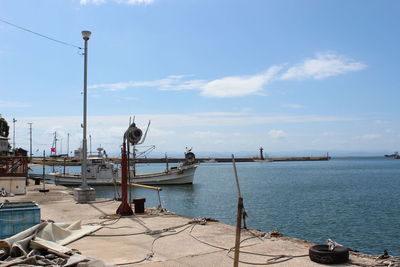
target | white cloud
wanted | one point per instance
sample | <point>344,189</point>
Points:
<point>172,82</point>
<point>219,114</point>
<point>329,134</point>
<point>132,2</point>
<point>155,131</point>
<point>128,2</point>
<point>184,85</point>
<point>5,104</point>
<point>277,134</point>
<point>239,85</point>
<point>233,86</point>
<point>205,134</point>
<point>125,98</point>
<point>368,137</point>
<point>382,122</point>
<point>322,66</point>
<point>84,2</point>
<point>169,132</point>
<point>293,106</point>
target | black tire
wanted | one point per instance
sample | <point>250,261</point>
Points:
<point>322,254</point>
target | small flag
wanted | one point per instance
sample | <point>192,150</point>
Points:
<point>53,149</point>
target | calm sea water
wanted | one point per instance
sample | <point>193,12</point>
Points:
<point>353,201</point>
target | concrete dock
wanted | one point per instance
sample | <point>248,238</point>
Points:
<point>158,238</point>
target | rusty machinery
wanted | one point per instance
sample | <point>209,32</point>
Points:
<point>133,136</point>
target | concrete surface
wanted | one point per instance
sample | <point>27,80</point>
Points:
<point>167,239</point>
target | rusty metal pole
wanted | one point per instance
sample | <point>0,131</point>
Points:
<point>124,209</point>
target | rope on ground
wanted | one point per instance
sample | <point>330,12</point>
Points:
<point>113,219</point>
<point>389,261</point>
<point>116,235</point>
<point>274,258</point>
<point>148,232</point>
<point>151,254</point>
<point>132,262</point>
<point>101,201</point>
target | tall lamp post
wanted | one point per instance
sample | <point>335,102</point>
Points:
<point>86,37</point>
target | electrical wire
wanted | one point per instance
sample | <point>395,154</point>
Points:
<point>39,34</point>
<point>116,235</point>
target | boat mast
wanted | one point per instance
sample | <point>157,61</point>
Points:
<point>54,145</point>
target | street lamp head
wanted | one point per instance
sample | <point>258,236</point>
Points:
<point>86,35</point>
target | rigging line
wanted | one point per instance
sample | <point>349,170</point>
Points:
<point>41,35</point>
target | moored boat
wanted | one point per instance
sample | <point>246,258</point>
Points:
<point>183,174</point>
<point>395,155</point>
<point>101,171</point>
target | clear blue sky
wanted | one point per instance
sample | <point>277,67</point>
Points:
<point>221,76</point>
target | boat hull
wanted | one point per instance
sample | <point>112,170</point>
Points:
<point>182,175</point>
<point>179,176</point>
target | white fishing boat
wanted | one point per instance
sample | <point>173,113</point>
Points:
<point>101,171</point>
<point>175,175</point>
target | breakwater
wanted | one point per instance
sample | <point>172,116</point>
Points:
<point>72,162</point>
<point>217,160</point>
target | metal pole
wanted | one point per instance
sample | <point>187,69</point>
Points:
<point>129,176</point>
<point>44,190</point>
<point>124,209</point>
<point>166,163</point>
<point>84,141</point>
<point>30,140</point>
<point>44,170</point>
<point>68,145</point>
<point>90,144</point>
<point>55,143</point>
<point>14,121</point>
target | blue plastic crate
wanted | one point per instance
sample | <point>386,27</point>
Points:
<point>16,217</point>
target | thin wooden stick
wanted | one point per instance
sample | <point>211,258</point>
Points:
<point>238,218</point>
